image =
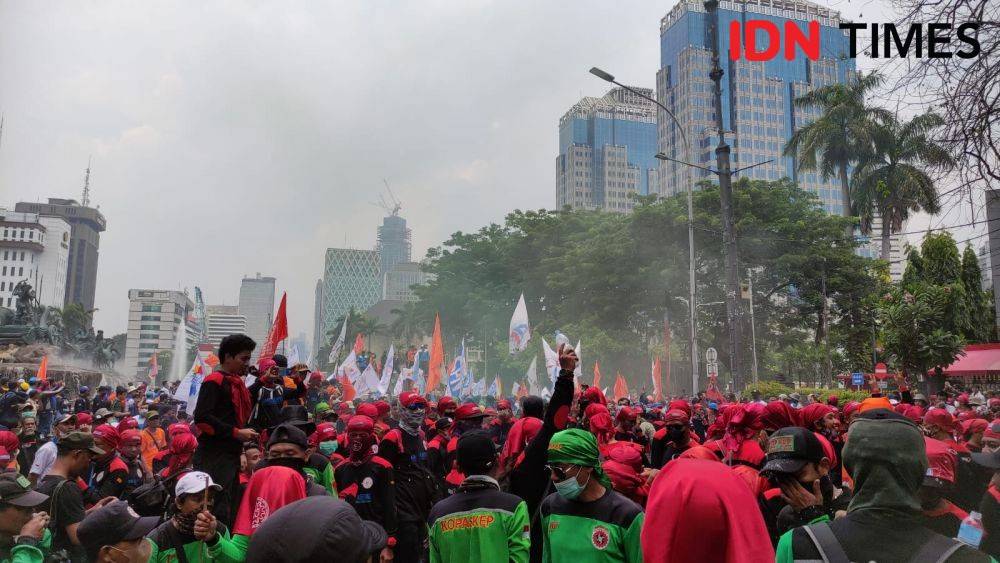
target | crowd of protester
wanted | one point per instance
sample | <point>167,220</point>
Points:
<point>277,467</point>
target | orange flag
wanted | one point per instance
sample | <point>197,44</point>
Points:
<point>437,357</point>
<point>621,388</point>
<point>348,390</point>
<point>43,368</point>
<point>597,375</point>
<point>278,332</point>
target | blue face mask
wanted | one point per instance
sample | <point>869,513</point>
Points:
<point>328,447</point>
<point>570,488</point>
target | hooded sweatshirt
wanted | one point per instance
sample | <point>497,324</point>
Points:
<point>885,455</point>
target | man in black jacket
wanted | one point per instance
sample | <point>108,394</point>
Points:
<point>221,414</point>
<point>530,479</point>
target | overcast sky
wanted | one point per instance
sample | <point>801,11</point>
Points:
<point>231,137</point>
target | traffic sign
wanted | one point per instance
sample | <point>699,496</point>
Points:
<point>857,379</point>
<point>711,356</point>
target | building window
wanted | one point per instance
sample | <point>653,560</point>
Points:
<point>149,327</point>
<point>150,318</point>
<point>146,308</point>
<point>148,345</point>
<point>144,336</point>
<point>20,271</point>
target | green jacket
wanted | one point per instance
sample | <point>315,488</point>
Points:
<point>603,531</point>
<point>24,553</point>
<point>479,523</point>
<point>165,539</point>
<point>322,473</point>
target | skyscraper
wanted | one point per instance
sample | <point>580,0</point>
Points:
<point>350,279</point>
<point>607,149</point>
<point>34,249</point>
<point>393,243</point>
<point>154,317</point>
<point>257,305</point>
<point>221,321</point>
<point>757,97</point>
<point>86,226</point>
<point>319,338</point>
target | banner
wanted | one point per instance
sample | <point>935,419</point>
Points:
<point>457,376</point>
<point>154,368</point>
<point>278,332</point>
<point>597,376</point>
<point>437,357</point>
<point>621,388</point>
<point>43,369</point>
<point>520,331</point>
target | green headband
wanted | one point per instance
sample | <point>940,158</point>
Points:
<point>577,447</point>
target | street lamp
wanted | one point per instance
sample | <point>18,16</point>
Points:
<point>692,313</point>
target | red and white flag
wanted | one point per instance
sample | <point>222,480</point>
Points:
<point>279,332</point>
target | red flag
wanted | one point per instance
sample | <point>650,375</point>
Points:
<point>154,368</point>
<point>597,375</point>
<point>658,381</point>
<point>279,332</point>
<point>621,388</point>
<point>437,357</point>
<point>522,391</point>
<point>43,369</point>
<point>359,343</point>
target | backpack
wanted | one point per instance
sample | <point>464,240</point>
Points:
<point>937,550</point>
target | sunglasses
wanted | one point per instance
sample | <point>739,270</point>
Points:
<point>559,472</point>
<point>416,406</point>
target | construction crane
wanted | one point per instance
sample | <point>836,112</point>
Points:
<point>393,205</point>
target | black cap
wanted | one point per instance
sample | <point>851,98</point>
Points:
<point>112,523</point>
<point>16,489</point>
<point>320,528</point>
<point>789,449</point>
<point>288,434</point>
<point>280,360</point>
<point>80,441</point>
<point>475,449</point>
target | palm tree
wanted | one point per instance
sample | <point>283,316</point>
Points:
<point>831,143</point>
<point>892,180</point>
<point>407,324</point>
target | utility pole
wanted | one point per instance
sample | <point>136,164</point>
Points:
<point>753,328</point>
<point>726,195</point>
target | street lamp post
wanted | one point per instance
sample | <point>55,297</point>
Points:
<point>692,311</point>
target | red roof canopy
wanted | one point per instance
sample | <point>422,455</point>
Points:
<point>977,359</point>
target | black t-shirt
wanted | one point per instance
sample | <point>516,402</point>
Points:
<point>65,508</point>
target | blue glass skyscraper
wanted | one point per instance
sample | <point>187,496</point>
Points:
<point>757,97</point>
<point>607,149</point>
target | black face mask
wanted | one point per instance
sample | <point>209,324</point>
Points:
<point>676,435</point>
<point>295,463</point>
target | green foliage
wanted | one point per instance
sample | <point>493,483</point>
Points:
<point>607,279</point>
<point>914,328</point>
<point>770,389</point>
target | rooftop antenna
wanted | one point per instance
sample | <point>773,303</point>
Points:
<point>86,185</point>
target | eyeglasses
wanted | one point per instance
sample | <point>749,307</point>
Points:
<point>416,406</point>
<point>559,472</point>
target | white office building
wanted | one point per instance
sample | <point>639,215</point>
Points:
<point>223,320</point>
<point>257,305</point>
<point>154,316</point>
<point>34,249</point>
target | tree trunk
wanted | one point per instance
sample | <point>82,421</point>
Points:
<point>845,194</point>
<point>886,236</point>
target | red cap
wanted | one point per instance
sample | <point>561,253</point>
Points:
<point>446,403</point>
<point>941,460</point>
<point>84,418</point>
<point>324,433</point>
<point>127,423</point>
<point>940,417</point>
<point>993,432</point>
<point>130,434</point>
<point>676,416</point>
<point>343,407</point>
<point>915,413</point>
<point>383,407</point>
<point>626,413</point>
<point>994,402</point>
<point>316,377</point>
<point>367,409</point>
<point>467,411</point>
<point>974,426</point>
<point>681,405</point>
<point>490,411</point>
<point>178,428</point>
<point>410,398</point>
<point>107,434</point>
<point>963,399</point>
<point>360,424</point>
<point>503,404</point>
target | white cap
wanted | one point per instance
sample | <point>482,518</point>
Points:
<point>194,482</point>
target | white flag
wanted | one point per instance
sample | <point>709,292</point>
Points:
<point>551,360</point>
<point>293,355</point>
<point>383,384</point>
<point>339,344</point>
<point>368,382</point>
<point>404,374</point>
<point>532,377</point>
<point>349,367</point>
<point>520,332</point>
<point>190,386</point>
<point>515,389</point>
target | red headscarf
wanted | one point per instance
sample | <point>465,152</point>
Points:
<point>521,434</point>
<point>127,423</point>
<point>680,404</point>
<point>624,466</point>
<point>915,413</point>
<point>850,408</point>
<point>594,395</point>
<point>778,414</point>
<point>127,435</point>
<point>702,511</point>
<point>239,393</point>
<point>178,428</point>
<point>108,435</point>
<point>181,451</point>
<point>600,422</point>
<point>9,441</point>
<point>752,478</point>
<point>699,452</point>
<point>268,490</point>
<point>814,412</point>
<point>974,426</point>
<point>742,423</point>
